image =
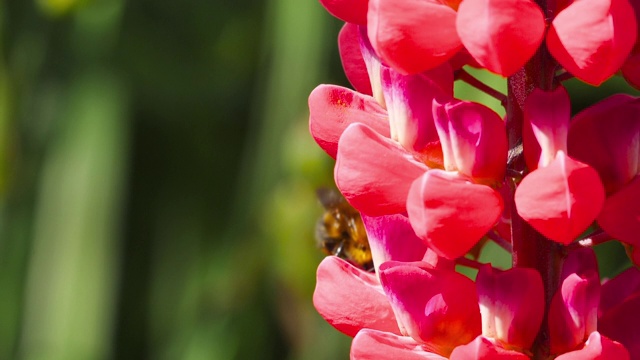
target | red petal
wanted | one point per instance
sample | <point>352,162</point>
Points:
<point>412,35</point>
<point>573,311</point>
<point>353,11</point>
<point>408,99</point>
<point>473,140</point>
<point>501,34</point>
<point>484,349</point>
<point>352,60</point>
<point>592,38</point>
<point>377,345</point>
<point>373,64</point>
<point>560,200</point>
<point>392,238</point>
<point>333,108</point>
<point>373,172</point>
<point>597,347</point>
<point>620,216</point>
<point>351,299</point>
<point>511,304</point>
<point>607,137</point>
<point>548,112</point>
<point>619,289</point>
<point>450,213</point>
<point>621,324</point>
<point>436,307</point>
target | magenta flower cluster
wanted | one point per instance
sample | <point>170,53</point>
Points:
<point>434,177</point>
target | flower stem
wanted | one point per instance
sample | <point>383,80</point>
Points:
<point>530,248</point>
<point>463,261</point>
<point>471,80</point>
<point>500,241</point>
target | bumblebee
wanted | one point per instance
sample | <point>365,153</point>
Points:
<point>340,231</point>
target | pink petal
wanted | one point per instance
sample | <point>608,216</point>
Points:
<point>621,324</point>
<point>573,311</point>
<point>607,137</point>
<point>592,38</point>
<point>619,289</point>
<point>473,140</point>
<point>333,108</point>
<point>353,11</point>
<point>351,299</point>
<point>408,99</point>
<point>412,36</point>
<point>560,200</point>
<point>377,345</point>
<point>351,57</point>
<point>373,172</point>
<point>450,213</point>
<point>548,112</point>
<point>501,34</point>
<point>620,216</point>
<point>511,304</point>
<point>482,348</point>
<point>597,347</point>
<point>581,261</point>
<point>392,238</point>
<point>373,64</point>
<point>435,307</point>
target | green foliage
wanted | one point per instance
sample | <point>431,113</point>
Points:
<point>157,180</point>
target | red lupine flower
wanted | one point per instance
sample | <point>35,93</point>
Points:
<point>354,302</point>
<point>338,281</point>
<point>501,35</point>
<point>618,316</point>
<point>607,136</point>
<point>563,196</point>
<point>592,38</point>
<point>352,59</point>
<point>373,172</point>
<point>334,108</point>
<point>412,36</point>
<point>511,304</point>
<point>450,212</point>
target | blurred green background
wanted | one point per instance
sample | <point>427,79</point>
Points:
<point>157,179</point>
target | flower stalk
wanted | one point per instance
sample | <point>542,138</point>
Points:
<point>530,248</point>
